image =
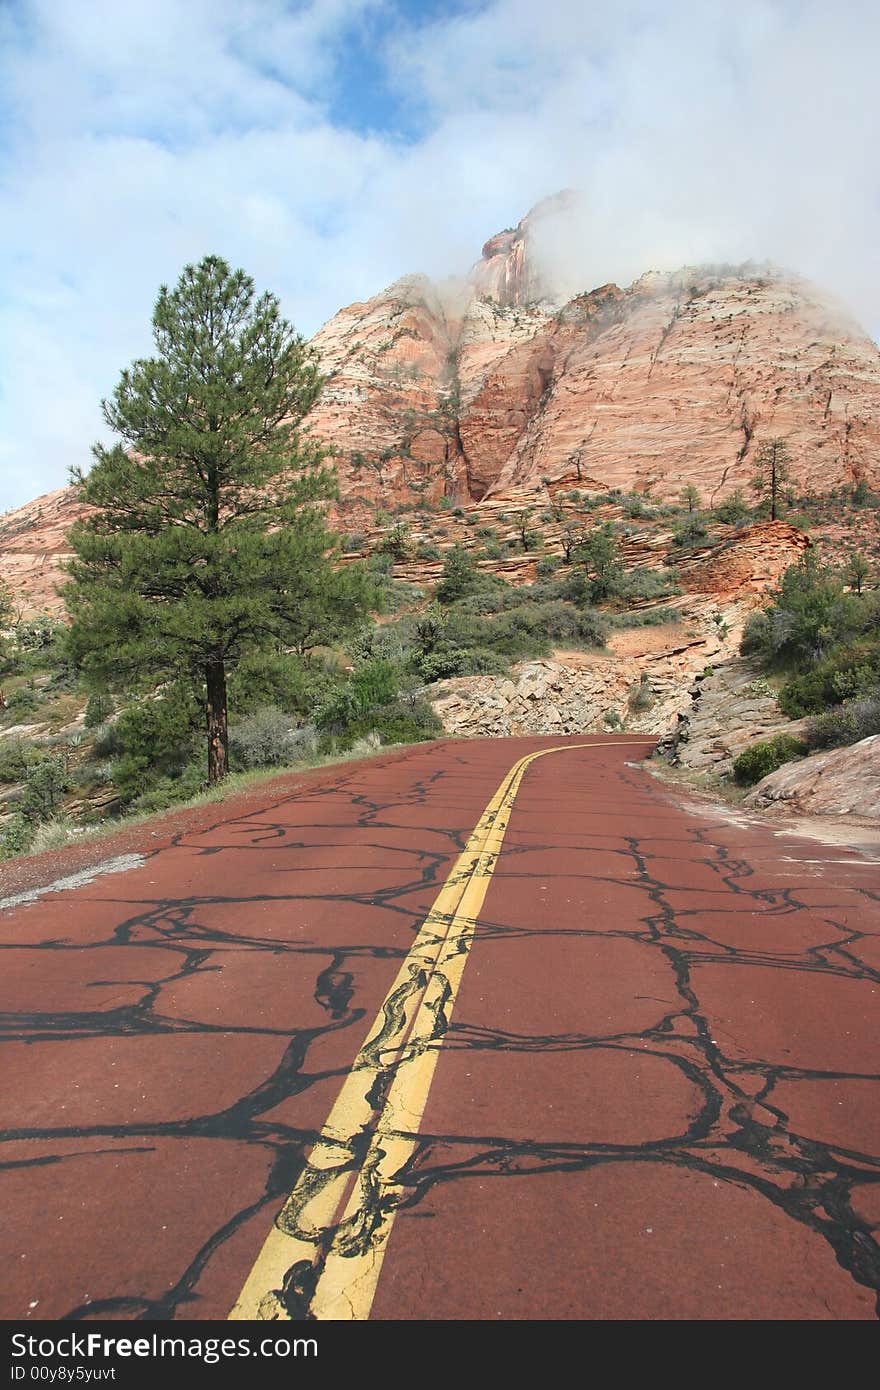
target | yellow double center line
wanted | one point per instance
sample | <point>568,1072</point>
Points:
<point>325,1265</point>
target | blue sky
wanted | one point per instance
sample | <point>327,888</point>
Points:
<point>330,146</point>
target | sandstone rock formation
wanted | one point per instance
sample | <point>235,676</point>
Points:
<point>842,782</point>
<point>476,387</point>
<point>33,548</point>
<point>728,707</point>
<point>640,684</point>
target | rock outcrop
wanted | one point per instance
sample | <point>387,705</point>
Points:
<point>842,782</point>
<point>474,388</point>
<point>727,708</point>
<point>33,548</point>
<point>641,684</point>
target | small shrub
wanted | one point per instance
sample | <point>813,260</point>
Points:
<point>759,689</point>
<point>734,510</point>
<point>16,836</point>
<point>848,671</point>
<point>270,738</point>
<point>167,791</point>
<point>689,533</point>
<point>633,506</point>
<point>38,634</point>
<point>765,756</point>
<point>107,742</point>
<point>156,739</point>
<point>16,756</point>
<point>641,696</point>
<point>853,721</point>
<point>98,710</point>
<point>24,700</point>
<point>363,747</point>
<point>44,788</point>
<point>547,566</point>
<point>460,576</point>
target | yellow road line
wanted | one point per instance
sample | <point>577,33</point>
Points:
<point>371,1132</point>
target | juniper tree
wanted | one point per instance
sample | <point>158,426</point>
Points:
<point>209,537</point>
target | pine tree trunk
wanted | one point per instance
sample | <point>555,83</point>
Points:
<point>218,729</point>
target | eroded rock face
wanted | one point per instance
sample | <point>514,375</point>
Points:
<point>476,389</point>
<point>33,548</point>
<point>842,782</point>
<point>640,684</point>
<point>729,707</point>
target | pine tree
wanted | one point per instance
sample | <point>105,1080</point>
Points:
<point>209,537</point>
<point>772,472</point>
<point>690,498</point>
<point>599,556</point>
<point>856,571</point>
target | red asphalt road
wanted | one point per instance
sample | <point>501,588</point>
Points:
<point>658,1097</point>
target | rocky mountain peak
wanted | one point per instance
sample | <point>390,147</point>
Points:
<point>509,271</point>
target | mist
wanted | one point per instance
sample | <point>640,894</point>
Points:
<point>138,137</point>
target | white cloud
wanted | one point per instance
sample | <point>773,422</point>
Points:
<point>136,137</point>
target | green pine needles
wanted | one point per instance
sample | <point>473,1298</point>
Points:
<point>208,539</point>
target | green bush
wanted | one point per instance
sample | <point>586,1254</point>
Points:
<point>38,634</point>
<point>646,617</point>
<point>598,556</point>
<point>98,710</point>
<point>634,506</point>
<point>808,614</point>
<point>167,791</point>
<point>16,836</point>
<point>372,685</point>
<point>460,576</point>
<point>270,738</point>
<point>848,670</point>
<point>107,742</point>
<point>765,757</point>
<point>156,739</point>
<point>45,785</point>
<point>406,719</point>
<point>297,685</point>
<point>447,660</point>
<point>690,532</point>
<point>24,700</point>
<point>640,584</point>
<point>734,510</point>
<point>850,723</point>
<point>547,566</point>
<point>17,755</point>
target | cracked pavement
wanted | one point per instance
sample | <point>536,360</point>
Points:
<point>656,1097</point>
